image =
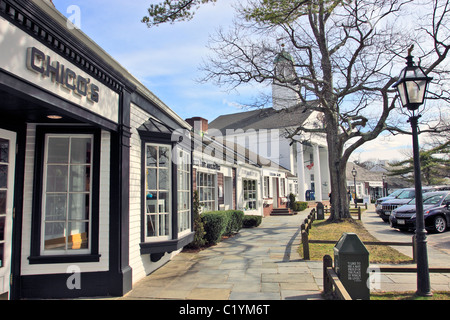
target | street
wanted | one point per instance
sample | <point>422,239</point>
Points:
<point>438,244</point>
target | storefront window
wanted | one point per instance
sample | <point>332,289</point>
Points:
<point>4,159</point>
<point>158,195</point>
<point>184,191</point>
<point>206,186</point>
<point>67,193</point>
<point>282,187</point>
<point>250,194</point>
<point>266,187</point>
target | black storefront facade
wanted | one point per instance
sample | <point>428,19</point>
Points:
<point>81,143</point>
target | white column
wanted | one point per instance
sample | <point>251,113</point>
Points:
<point>317,175</point>
<point>301,172</point>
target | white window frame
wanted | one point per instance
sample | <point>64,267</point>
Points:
<point>66,251</point>
<point>184,172</point>
<point>168,210</point>
<point>267,187</point>
<point>247,192</point>
<point>282,187</point>
<point>208,204</point>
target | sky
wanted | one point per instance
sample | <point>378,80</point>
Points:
<point>166,59</point>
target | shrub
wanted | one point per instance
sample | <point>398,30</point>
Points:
<point>199,236</point>
<point>252,221</point>
<point>300,206</point>
<point>291,200</point>
<point>221,223</point>
<point>215,224</point>
<point>235,221</point>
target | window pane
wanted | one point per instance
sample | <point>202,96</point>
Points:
<point>80,178</point>
<point>79,235</point>
<point>2,228</point>
<point>152,202</point>
<point>81,150</point>
<point>210,181</point>
<point>56,178</point>
<point>186,201</point>
<point>3,176</point>
<point>151,223</point>
<point>55,236</point>
<point>186,181</point>
<point>152,156</point>
<point>164,156</point>
<point>4,151</point>
<point>58,150</point>
<point>79,206</point>
<point>56,207</point>
<point>164,224</point>
<point>2,250</point>
<point>164,179</point>
<point>151,179</point>
<point>2,202</point>
<point>163,202</point>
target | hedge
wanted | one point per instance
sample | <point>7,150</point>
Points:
<point>252,221</point>
<point>300,206</point>
<point>235,221</point>
<point>220,223</point>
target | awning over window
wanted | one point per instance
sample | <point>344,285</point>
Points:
<point>155,126</point>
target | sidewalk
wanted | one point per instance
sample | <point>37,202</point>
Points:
<point>257,264</point>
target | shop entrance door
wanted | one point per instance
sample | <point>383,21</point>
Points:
<point>7,169</point>
<point>275,192</point>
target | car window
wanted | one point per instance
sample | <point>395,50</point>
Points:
<point>433,199</point>
<point>395,193</point>
<point>447,200</point>
<point>426,198</point>
<point>406,194</point>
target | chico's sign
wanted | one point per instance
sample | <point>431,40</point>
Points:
<point>39,62</point>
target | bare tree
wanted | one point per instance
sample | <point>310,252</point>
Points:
<point>346,56</point>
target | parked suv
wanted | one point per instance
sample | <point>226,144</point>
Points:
<point>389,197</point>
<point>385,209</point>
<point>436,208</point>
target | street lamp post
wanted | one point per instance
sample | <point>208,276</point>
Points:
<point>412,86</point>
<point>354,173</point>
<point>384,185</point>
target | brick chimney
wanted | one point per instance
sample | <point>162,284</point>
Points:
<point>198,122</point>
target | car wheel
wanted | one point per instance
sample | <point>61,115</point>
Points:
<point>440,224</point>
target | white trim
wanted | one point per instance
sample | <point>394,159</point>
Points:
<point>44,193</point>
<point>5,270</point>
<point>168,212</point>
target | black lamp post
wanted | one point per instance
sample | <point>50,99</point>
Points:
<point>412,86</point>
<point>384,185</point>
<point>354,173</point>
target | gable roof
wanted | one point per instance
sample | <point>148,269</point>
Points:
<point>267,118</point>
<point>231,153</point>
<point>364,175</point>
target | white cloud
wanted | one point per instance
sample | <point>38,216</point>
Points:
<point>387,147</point>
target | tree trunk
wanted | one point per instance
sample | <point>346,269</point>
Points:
<point>339,198</point>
